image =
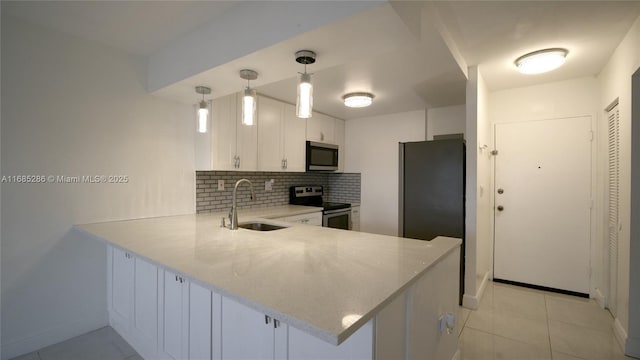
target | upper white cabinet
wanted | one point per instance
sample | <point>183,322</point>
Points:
<point>321,128</point>
<point>228,145</point>
<point>339,137</point>
<point>294,140</point>
<point>281,137</point>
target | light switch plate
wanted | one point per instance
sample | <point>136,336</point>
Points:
<point>220,185</point>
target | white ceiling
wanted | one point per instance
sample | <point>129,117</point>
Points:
<point>137,27</point>
<point>494,33</point>
<point>397,52</point>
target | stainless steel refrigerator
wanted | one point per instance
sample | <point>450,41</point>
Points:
<point>432,192</point>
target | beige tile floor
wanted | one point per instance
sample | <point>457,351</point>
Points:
<point>512,323</point>
<point>519,323</point>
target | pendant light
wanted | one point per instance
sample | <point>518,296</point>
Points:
<point>249,98</point>
<point>304,103</point>
<point>203,110</point>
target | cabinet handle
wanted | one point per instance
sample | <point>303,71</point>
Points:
<point>267,319</point>
<point>176,277</point>
<point>276,323</point>
<point>321,136</point>
<point>286,163</point>
<point>238,162</point>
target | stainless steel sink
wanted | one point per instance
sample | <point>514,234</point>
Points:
<point>258,226</point>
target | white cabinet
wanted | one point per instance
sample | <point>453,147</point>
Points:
<point>358,346</point>
<point>355,218</point>
<point>229,144</point>
<point>133,310</point>
<point>121,308</point>
<point>189,319</point>
<point>321,128</point>
<point>176,316</point>
<point>339,137</point>
<point>281,137</point>
<point>308,219</point>
<point>145,319</point>
<point>249,334</point>
<point>294,140</point>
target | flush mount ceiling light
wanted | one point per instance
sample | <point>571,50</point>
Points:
<point>304,102</point>
<point>541,61</point>
<point>358,99</point>
<point>203,110</point>
<point>249,98</point>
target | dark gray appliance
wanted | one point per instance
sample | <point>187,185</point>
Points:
<point>432,192</point>
<point>322,156</point>
<point>334,215</point>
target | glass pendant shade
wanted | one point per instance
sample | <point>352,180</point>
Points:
<point>304,105</point>
<point>249,98</point>
<point>203,113</point>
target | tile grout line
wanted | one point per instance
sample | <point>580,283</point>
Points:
<point>546,311</point>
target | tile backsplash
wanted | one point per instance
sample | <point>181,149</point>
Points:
<point>338,187</point>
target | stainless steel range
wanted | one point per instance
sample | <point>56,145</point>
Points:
<point>334,215</point>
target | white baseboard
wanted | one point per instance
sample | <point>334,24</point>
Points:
<point>600,298</point>
<point>53,336</point>
<point>620,333</point>
<point>457,355</point>
<point>473,301</point>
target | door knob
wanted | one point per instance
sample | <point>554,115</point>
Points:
<point>500,191</point>
<point>500,207</point>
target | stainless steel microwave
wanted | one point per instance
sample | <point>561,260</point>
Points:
<point>321,156</point>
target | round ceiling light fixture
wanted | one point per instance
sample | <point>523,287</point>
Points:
<point>541,61</point>
<point>358,99</point>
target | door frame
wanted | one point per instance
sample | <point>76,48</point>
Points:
<point>594,227</point>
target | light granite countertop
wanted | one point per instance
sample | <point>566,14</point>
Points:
<point>309,277</point>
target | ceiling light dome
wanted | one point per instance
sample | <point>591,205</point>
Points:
<point>358,99</point>
<point>541,61</point>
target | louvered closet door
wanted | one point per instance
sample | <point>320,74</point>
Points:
<point>613,184</point>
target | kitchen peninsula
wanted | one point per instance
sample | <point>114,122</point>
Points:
<point>185,287</point>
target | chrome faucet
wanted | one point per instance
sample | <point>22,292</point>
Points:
<point>233,214</point>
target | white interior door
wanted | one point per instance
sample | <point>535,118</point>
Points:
<point>543,203</point>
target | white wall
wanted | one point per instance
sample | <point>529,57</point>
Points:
<point>372,149</point>
<point>615,82</point>
<point>72,107</point>
<point>446,120</point>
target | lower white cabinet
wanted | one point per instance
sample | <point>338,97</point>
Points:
<point>308,219</point>
<point>164,315</point>
<point>355,218</point>
<point>250,334</point>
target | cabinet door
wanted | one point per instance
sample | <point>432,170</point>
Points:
<point>339,138</point>
<point>146,303</point>
<point>223,133</point>
<point>270,142</point>
<point>320,128</point>
<point>358,346</point>
<point>199,323</point>
<point>246,141</point>
<point>294,140</point>
<point>122,288</point>
<point>245,333</point>
<point>176,302</point>
<point>355,218</point>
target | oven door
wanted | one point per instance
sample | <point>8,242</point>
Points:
<point>337,219</point>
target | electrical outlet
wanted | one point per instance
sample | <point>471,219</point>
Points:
<point>268,185</point>
<point>220,185</point>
